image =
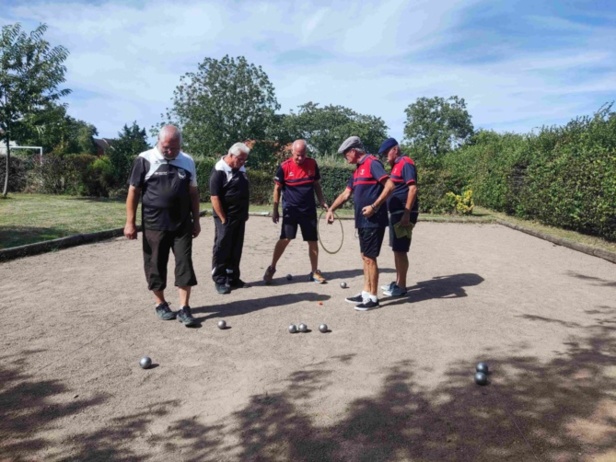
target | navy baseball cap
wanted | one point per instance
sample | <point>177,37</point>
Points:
<point>387,145</point>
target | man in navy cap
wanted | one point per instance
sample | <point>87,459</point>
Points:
<point>370,185</point>
<point>403,209</point>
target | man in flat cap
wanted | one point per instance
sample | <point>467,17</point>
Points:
<point>403,208</point>
<point>371,186</point>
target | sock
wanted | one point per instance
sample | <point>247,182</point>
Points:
<point>373,298</point>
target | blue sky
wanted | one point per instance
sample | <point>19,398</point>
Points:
<point>518,64</point>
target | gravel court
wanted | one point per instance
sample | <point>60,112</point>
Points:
<point>391,384</point>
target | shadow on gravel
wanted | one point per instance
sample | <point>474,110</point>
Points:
<point>562,409</point>
<point>241,307</point>
<point>451,286</point>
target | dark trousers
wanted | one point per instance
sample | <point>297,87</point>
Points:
<point>227,252</point>
<point>156,248</point>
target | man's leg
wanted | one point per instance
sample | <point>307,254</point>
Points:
<point>237,245</point>
<point>279,249</point>
<point>371,275</point>
<point>221,253</point>
<point>313,254</point>
<point>184,293</point>
<point>401,260</point>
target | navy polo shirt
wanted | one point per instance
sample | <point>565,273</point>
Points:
<point>366,187</point>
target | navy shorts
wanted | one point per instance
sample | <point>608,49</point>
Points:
<point>370,241</point>
<point>292,218</point>
<point>399,244</point>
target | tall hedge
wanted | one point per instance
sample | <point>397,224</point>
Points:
<point>562,176</point>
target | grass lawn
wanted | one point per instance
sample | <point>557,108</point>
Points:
<point>30,218</point>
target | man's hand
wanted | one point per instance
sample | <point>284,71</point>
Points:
<point>275,216</point>
<point>130,231</point>
<point>196,229</point>
<point>368,211</point>
<point>406,219</point>
<point>330,216</point>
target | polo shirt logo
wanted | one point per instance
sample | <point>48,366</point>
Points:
<point>181,174</point>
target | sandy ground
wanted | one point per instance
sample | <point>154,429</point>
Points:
<point>395,383</point>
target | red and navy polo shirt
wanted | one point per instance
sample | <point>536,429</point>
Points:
<point>297,183</point>
<point>366,187</point>
<point>403,174</point>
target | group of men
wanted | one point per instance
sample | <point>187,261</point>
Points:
<point>165,180</point>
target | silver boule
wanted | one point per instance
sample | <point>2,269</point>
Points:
<point>323,328</point>
<point>292,329</point>
<point>302,327</point>
<point>343,285</point>
<point>145,362</point>
<point>289,277</point>
<point>222,324</point>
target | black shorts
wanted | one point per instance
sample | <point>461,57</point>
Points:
<point>156,247</point>
<point>307,222</point>
<point>399,244</point>
<point>370,241</point>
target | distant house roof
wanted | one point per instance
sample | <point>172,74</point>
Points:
<point>102,144</point>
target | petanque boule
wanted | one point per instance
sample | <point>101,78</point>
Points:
<point>323,328</point>
<point>481,378</point>
<point>302,327</point>
<point>145,362</point>
<point>292,329</point>
<point>289,277</point>
<point>343,285</point>
<point>222,324</point>
<point>483,368</point>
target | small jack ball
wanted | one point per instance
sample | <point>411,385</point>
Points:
<point>483,368</point>
<point>481,378</point>
<point>222,324</point>
<point>292,329</point>
<point>323,328</point>
<point>145,362</point>
<point>289,277</point>
<point>343,285</point>
<point>303,327</point>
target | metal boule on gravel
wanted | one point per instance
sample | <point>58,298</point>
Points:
<point>222,324</point>
<point>481,378</point>
<point>303,328</point>
<point>323,328</point>
<point>483,367</point>
<point>343,285</point>
<point>289,277</point>
<point>292,329</point>
<point>145,362</point>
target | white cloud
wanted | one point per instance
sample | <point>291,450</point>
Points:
<point>376,57</point>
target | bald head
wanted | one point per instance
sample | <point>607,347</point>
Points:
<point>298,151</point>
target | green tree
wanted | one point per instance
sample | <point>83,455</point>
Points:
<point>435,126</point>
<point>325,128</point>
<point>223,102</point>
<point>130,142</point>
<point>30,72</point>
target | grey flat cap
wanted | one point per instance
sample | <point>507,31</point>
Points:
<point>350,142</point>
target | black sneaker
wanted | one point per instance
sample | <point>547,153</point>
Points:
<point>355,299</point>
<point>164,312</point>
<point>186,317</point>
<point>367,305</point>
<point>223,289</point>
<point>238,284</point>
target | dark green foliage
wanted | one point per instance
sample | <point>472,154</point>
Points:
<point>435,126</point>
<point>334,178</point>
<point>324,129</point>
<point>18,175</point>
<point>30,72</point>
<point>223,102</point>
<point>563,176</point>
<point>74,174</point>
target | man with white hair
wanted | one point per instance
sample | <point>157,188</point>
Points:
<point>165,179</point>
<point>230,199</point>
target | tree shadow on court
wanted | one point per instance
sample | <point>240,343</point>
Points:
<point>29,405</point>
<point>451,286</point>
<point>240,307</point>
<point>593,280</point>
<point>531,410</point>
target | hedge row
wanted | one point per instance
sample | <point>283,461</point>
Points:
<point>562,176</point>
